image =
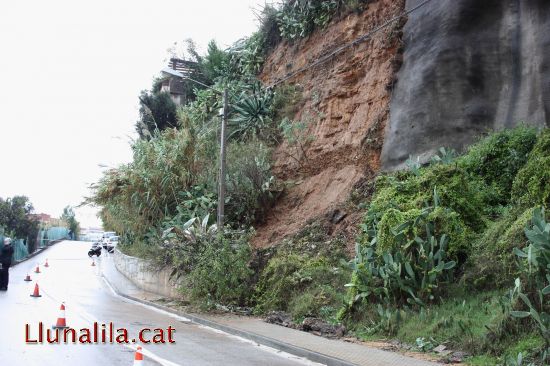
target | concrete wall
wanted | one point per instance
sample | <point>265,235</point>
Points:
<point>146,276</point>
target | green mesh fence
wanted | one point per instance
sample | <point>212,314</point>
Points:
<point>58,233</point>
<point>20,250</point>
<point>42,238</point>
<point>45,237</point>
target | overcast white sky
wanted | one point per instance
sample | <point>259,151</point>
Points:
<point>70,74</point>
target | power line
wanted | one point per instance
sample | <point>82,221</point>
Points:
<point>346,46</point>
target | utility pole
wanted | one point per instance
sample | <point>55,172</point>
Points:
<point>221,188</point>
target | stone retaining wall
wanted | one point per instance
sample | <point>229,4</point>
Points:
<point>146,276</point>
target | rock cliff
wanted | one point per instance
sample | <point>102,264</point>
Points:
<point>469,66</point>
<point>449,72</point>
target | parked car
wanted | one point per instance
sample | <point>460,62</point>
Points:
<point>110,243</point>
<point>107,234</point>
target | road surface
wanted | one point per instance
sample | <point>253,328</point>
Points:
<point>71,279</point>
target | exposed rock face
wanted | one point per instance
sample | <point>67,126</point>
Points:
<point>463,67</point>
<point>346,100</point>
<point>469,66</point>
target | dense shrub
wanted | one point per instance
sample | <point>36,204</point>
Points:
<point>220,274</point>
<point>400,197</point>
<point>494,265</point>
<point>531,186</point>
<point>498,158</point>
<point>298,18</point>
<point>486,199</point>
<point>16,220</point>
<point>300,285</point>
<point>304,276</point>
<point>412,267</point>
<point>157,112</point>
<point>142,194</point>
<point>251,187</point>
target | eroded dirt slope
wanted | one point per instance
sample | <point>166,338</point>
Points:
<point>346,106</point>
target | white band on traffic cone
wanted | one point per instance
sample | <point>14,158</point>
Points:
<point>61,322</point>
<point>138,358</point>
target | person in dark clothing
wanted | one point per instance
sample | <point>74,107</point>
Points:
<point>5,261</point>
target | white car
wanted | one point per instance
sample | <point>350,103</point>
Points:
<point>110,243</point>
<point>107,234</point>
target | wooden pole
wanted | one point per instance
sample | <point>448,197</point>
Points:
<point>221,188</point>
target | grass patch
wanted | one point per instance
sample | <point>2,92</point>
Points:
<point>461,322</point>
<point>483,360</point>
<point>138,249</point>
<point>475,323</point>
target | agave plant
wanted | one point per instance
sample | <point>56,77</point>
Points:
<point>192,230</point>
<point>444,156</point>
<point>252,113</point>
<point>199,229</point>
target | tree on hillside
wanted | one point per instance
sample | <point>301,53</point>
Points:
<point>16,219</point>
<point>157,111</point>
<point>69,217</point>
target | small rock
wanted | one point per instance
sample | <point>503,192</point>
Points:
<point>279,318</point>
<point>336,216</point>
<point>439,348</point>
<point>458,357</point>
<point>316,325</point>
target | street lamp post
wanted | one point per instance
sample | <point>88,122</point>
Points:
<point>223,137</point>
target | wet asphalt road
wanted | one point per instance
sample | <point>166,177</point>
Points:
<point>71,279</point>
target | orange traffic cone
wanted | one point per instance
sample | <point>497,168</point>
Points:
<point>138,358</point>
<point>36,292</point>
<point>61,323</point>
<point>37,270</point>
<point>28,278</point>
<point>46,265</point>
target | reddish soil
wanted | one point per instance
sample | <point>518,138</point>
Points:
<point>346,101</point>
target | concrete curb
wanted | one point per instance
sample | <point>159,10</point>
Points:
<point>266,341</point>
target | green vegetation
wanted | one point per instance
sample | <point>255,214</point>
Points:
<point>296,135</point>
<point>69,217</point>
<point>217,269</point>
<point>173,177</point>
<point>470,210</point>
<point>531,184</point>
<point>495,265</point>
<point>304,276</point>
<point>16,220</point>
<point>498,159</point>
<point>157,112</point>
<point>536,274</point>
<point>442,257</point>
<point>299,18</point>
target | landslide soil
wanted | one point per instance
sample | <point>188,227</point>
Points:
<point>345,102</point>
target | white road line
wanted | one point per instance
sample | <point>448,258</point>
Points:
<point>301,360</point>
<point>90,319</point>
